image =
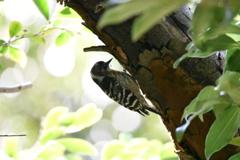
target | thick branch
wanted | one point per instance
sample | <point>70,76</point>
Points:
<point>150,60</point>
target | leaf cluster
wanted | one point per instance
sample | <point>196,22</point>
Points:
<point>17,33</point>
<point>215,25</point>
<point>51,143</point>
<point>137,148</point>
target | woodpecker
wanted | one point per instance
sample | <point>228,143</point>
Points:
<point>120,87</point>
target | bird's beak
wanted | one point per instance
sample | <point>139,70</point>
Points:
<point>107,63</point>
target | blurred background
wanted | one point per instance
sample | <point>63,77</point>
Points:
<point>61,77</point>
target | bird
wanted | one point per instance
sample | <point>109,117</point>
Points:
<point>121,87</point>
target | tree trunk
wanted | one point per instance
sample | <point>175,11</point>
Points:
<point>150,60</point>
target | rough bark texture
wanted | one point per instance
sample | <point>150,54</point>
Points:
<point>150,61</point>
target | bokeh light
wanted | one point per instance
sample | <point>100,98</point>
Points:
<point>125,120</point>
<point>59,61</point>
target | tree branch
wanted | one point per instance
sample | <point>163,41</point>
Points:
<point>13,135</point>
<point>15,88</point>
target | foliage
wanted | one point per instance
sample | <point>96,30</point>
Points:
<point>137,148</point>
<point>215,25</point>
<point>42,6</point>
<point>158,8</point>
<point>214,35</point>
<point>16,33</point>
<point>58,124</point>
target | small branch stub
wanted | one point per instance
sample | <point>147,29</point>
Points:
<point>13,135</point>
<point>15,88</point>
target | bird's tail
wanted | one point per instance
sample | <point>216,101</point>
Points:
<point>153,110</point>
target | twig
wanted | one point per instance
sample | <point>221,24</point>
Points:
<point>34,35</point>
<point>97,48</point>
<point>15,88</point>
<point>13,135</point>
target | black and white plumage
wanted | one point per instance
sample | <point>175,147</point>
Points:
<point>120,87</point>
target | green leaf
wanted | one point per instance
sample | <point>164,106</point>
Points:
<point>224,29</point>
<point>38,39</point>
<point>181,130</point>
<point>235,157</point>
<point>196,106</point>
<point>123,12</point>
<point>14,28</point>
<point>112,149</point>
<point>221,104</point>
<point>1,67</point>
<point>86,116</point>
<point>10,146</point>
<point>57,22</point>
<point>230,83</point>
<point>1,43</point>
<point>204,102</point>
<point>222,42</point>
<point>42,6</point>
<point>52,118</point>
<point>67,12</point>
<point>192,53</point>
<point>136,149</point>
<point>222,130</point>
<point>62,39</point>
<point>67,119</point>
<point>47,31</point>
<point>73,157</point>
<point>18,56</point>
<point>78,145</point>
<point>213,17</point>
<point>4,50</point>
<point>235,141</point>
<point>146,21</point>
<point>233,61</point>
<point>51,134</point>
<point>52,149</point>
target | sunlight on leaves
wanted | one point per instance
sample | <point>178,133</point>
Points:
<point>62,39</point>
<point>51,134</point>
<point>14,28</point>
<point>67,12</point>
<point>42,6</point>
<point>53,116</point>
<point>86,116</point>
<point>51,149</point>
<point>18,56</point>
<point>78,145</point>
<point>10,145</point>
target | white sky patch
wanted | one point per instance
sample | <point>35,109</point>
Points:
<point>59,61</point>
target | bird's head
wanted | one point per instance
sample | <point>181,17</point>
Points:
<point>100,66</point>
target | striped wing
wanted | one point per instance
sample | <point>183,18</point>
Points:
<point>122,95</point>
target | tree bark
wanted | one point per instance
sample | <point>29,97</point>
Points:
<point>150,60</point>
